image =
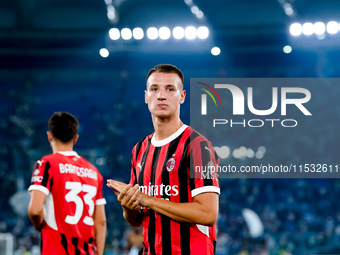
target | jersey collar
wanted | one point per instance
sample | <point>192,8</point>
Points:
<point>158,143</point>
<point>68,153</point>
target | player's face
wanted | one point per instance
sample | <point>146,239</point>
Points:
<point>164,94</point>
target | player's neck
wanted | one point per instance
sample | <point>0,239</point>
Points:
<point>165,127</point>
<point>61,147</point>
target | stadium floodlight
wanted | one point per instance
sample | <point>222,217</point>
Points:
<point>215,51</point>
<point>178,32</point>
<point>236,153</point>
<point>332,27</point>
<point>114,33</point>
<point>138,33</point>
<point>202,32</point>
<point>152,33</point>
<point>194,9</point>
<point>288,8</point>
<point>307,28</point>
<point>164,33</point>
<point>250,153</point>
<point>295,29</point>
<point>321,37</point>
<point>319,28</point>
<point>104,52</point>
<point>111,12</point>
<point>240,153</point>
<point>262,149</point>
<point>223,152</point>
<point>287,49</point>
<point>126,33</point>
<point>199,14</point>
<point>190,32</point>
<point>259,154</point>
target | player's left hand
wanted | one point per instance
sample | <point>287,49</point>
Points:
<point>128,196</point>
<point>116,186</point>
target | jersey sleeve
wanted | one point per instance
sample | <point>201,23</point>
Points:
<point>100,198</point>
<point>41,177</point>
<point>203,167</point>
<point>133,177</point>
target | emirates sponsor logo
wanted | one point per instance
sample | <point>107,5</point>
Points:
<point>163,190</point>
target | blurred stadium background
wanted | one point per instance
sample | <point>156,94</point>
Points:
<point>88,58</point>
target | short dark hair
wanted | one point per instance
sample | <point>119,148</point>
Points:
<point>63,126</point>
<point>166,68</point>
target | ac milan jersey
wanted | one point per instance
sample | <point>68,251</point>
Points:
<point>73,188</point>
<point>162,169</point>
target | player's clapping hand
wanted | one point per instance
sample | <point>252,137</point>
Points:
<point>116,186</point>
<point>128,196</point>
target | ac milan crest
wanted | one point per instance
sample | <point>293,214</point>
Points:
<point>170,165</point>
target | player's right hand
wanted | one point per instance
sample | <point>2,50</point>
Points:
<point>130,197</point>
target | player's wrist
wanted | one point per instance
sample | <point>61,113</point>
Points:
<point>130,211</point>
<point>146,201</point>
<point>133,217</point>
<point>40,227</point>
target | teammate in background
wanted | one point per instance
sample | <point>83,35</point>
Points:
<point>67,203</point>
<point>178,213</point>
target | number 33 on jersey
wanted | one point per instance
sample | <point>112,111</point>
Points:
<point>73,188</point>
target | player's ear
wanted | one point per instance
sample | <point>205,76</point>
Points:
<point>145,96</point>
<point>183,94</point>
<point>49,136</point>
<point>75,138</point>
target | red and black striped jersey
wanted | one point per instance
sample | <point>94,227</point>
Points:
<point>162,169</point>
<point>73,188</point>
